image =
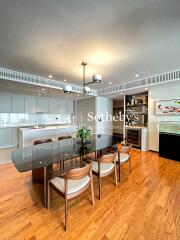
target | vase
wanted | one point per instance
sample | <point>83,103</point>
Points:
<point>83,141</point>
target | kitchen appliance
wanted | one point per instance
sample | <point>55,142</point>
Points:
<point>133,136</point>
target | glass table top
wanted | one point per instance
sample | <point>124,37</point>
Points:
<point>34,157</point>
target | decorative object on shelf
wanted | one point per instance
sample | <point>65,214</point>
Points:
<point>167,107</point>
<point>96,78</point>
<point>84,133</point>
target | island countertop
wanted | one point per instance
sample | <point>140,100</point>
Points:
<point>47,127</point>
<point>28,135</point>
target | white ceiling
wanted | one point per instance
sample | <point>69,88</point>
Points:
<point>118,38</point>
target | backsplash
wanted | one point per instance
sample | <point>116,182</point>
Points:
<point>20,119</point>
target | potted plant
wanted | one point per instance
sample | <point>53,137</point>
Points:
<point>84,133</point>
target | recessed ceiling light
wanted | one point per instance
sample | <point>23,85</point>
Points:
<point>50,76</point>
<point>146,88</point>
<point>43,89</point>
<point>110,83</point>
<point>137,75</point>
<point>65,80</point>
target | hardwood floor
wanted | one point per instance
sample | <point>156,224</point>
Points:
<point>144,206</point>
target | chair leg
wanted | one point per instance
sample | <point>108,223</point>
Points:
<point>130,167</point>
<point>119,168</point>
<point>48,197</point>
<point>92,188</point>
<point>115,173</point>
<point>66,214</point>
<point>99,187</point>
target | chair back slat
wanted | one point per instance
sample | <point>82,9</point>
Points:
<point>63,137</point>
<point>42,141</point>
<point>124,148</point>
<point>108,158</point>
<point>78,173</point>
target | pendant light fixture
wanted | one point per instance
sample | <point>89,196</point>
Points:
<point>96,78</point>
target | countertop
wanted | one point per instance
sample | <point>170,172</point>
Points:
<point>29,125</point>
<point>47,127</point>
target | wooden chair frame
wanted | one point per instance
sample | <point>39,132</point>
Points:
<point>124,149</point>
<point>109,158</point>
<point>38,174</point>
<point>74,174</point>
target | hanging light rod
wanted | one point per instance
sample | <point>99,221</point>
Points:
<point>96,78</point>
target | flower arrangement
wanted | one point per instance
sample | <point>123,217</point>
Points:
<point>84,132</point>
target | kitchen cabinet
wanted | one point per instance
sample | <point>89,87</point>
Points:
<point>53,105</point>
<point>42,105</point>
<point>6,139</point>
<point>62,105</point>
<point>69,106</point>
<point>18,104</point>
<point>5,103</point>
<point>30,104</point>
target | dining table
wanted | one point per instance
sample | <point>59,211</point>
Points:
<point>47,154</point>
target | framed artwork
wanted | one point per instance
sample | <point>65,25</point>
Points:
<point>167,107</point>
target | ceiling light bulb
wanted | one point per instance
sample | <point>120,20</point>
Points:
<point>87,89</point>
<point>110,83</point>
<point>137,75</point>
<point>97,78</point>
<point>65,80</point>
<point>67,89</point>
<point>50,76</point>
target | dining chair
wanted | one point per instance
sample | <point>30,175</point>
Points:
<point>64,154</point>
<point>64,137</point>
<point>103,167</point>
<point>71,184</point>
<point>123,156</point>
<point>38,174</point>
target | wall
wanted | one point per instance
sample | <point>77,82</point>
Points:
<point>98,107</point>
<point>85,106</point>
<point>104,106</point>
<point>161,92</point>
<point>118,106</point>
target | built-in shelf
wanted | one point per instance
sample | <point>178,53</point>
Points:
<point>136,113</point>
<point>137,105</point>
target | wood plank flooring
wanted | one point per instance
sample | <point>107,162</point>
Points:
<point>144,206</point>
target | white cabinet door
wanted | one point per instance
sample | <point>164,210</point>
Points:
<point>62,105</point>
<point>30,104</point>
<point>53,105</point>
<point>6,137</point>
<point>18,104</point>
<point>5,103</point>
<point>42,105</point>
<point>69,106</point>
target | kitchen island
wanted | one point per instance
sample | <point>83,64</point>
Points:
<point>28,135</point>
